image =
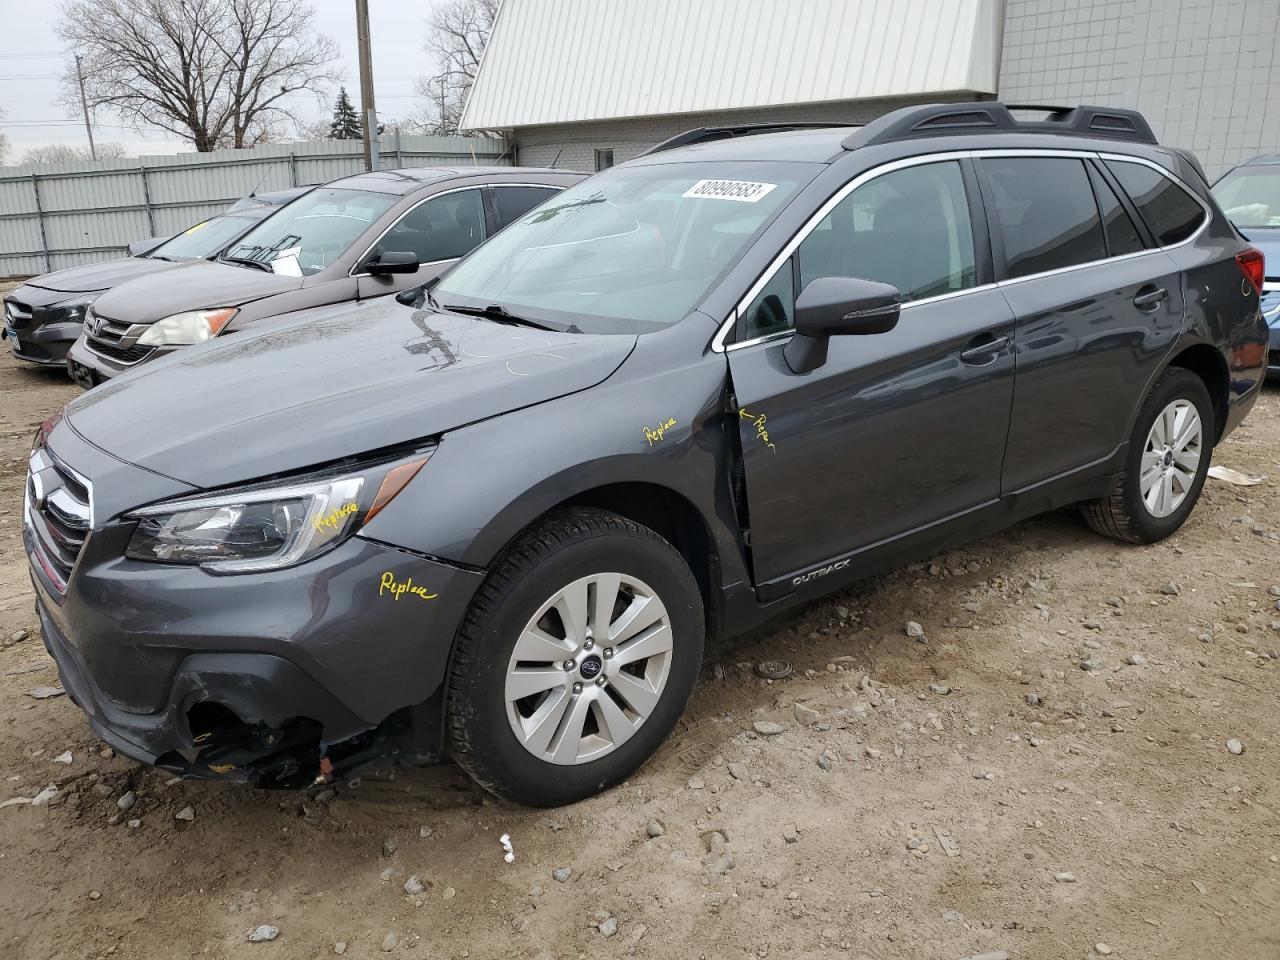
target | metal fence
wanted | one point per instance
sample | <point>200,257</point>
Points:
<point>61,215</point>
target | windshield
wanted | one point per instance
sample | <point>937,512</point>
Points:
<point>631,250</point>
<point>305,236</point>
<point>202,240</point>
<point>1250,196</point>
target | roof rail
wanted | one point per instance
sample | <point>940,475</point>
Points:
<point>990,116</point>
<point>710,134</point>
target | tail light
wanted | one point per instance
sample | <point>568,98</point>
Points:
<point>1253,266</point>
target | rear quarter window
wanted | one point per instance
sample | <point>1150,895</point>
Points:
<point>1171,213</point>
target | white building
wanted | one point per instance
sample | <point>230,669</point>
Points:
<point>586,83</point>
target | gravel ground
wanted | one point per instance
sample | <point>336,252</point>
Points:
<point>973,791</point>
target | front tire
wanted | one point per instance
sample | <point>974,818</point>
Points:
<point>1169,453</point>
<point>575,660</point>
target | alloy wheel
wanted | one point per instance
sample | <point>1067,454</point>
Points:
<point>588,668</point>
<point>1171,458</point>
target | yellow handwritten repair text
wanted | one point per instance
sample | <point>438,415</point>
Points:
<point>397,590</point>
<point>654,434</point>
<point>761,433</point>
<point>335,517</point>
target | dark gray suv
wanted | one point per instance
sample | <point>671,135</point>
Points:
<point>359,237</point>
<point>497,517</point>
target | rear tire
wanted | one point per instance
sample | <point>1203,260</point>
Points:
<point>1169,453</point>
<point>602,693</point>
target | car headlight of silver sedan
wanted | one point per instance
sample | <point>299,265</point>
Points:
<point>270,526</point>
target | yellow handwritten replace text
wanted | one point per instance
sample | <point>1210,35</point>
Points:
<point>397,590</point>
<point>761,433</point>
<point>334,518</point>
<point>654,434</point>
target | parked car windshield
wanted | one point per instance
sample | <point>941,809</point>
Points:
<point>305,236</point>
<point>204,239</point>
<point>1250,196</point>
<point>631,250</point>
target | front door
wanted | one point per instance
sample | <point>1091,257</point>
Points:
<point>896,432</point>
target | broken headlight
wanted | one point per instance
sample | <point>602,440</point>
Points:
<point>270,526</point>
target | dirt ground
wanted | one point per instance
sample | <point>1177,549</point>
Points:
<point>984,792</point>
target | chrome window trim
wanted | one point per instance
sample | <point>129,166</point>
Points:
<point>718,344</point>
<point>443,193</point>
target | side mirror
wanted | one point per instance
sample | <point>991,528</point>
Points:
<point>393,261</point>
<point>838,306</point>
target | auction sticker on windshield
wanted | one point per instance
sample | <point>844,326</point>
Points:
<point>744,191</point>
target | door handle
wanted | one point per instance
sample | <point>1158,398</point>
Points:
<point>1150,298</point>
<point>983,349</point>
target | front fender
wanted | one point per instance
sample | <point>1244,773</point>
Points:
<point>652,422</point>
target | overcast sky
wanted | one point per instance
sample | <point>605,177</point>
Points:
<point>31,58</point>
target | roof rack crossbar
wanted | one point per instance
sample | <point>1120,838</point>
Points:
<point>710,134</point>
<point>990,116</point>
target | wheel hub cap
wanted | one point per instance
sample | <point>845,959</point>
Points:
<point>1171,458</point>
<point>588,668</point>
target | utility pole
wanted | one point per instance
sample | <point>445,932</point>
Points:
<point>366,86</point>
<point>84,105</point>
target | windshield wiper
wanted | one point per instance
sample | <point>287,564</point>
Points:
<point>496,311</point>
<point>249,263</point>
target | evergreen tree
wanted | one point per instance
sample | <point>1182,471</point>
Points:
<point>346,122</point>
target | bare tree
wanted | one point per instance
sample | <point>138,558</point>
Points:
<point>457,33</point>
<point>64,153</point>
<point>213,72</point>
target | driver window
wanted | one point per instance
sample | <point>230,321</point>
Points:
<point>909,228</point>
<point>442,228</point>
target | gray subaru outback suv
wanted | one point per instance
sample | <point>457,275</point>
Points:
<point>498,518</point>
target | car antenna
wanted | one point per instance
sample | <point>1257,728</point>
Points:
<point>254,191</point>
<point>557,159</point>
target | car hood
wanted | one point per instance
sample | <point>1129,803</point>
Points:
<point>100,276</point>
<point>331,383</point>
<point>201,284</point>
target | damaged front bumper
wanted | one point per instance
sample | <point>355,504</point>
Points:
<point>255,677</point>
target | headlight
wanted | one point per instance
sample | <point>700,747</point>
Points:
<point>270,526</point>
<point>72,312</point>
<point>181,329</point>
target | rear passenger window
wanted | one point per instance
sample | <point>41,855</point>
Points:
<point>1122,235</point>
<point>512,203</point>
<point>1171,213</point>
<point>1046,211</point>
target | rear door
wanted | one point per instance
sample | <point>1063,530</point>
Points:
<point>438,231</point>
<point>896,431</point>
<point>1097,308</point>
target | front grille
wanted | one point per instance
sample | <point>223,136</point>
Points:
<point>103,336</point>
<point>18,314</point>
<point>119,354</point>
<point>58,516</point>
